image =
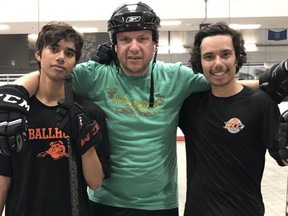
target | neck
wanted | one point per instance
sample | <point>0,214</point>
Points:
<point>49,92</point>
<point>135,73</point>
<point>228,90</point>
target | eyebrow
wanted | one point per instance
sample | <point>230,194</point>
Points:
<point>225,50</point>
<point>72,50</point>
<point>57,45</point>
<point>221,51</point>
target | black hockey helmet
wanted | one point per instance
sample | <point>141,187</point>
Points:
<point>133,17</point>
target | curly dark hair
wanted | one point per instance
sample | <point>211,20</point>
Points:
<point>219,28</point>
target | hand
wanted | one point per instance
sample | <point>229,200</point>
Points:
<point>75,122</point>
<point>275,81</point>
<point>104,53</point>
<point>13,113</point>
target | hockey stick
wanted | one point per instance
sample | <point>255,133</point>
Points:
<point>72,160</point>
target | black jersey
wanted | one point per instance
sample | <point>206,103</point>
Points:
<point>40,172</point>
<point>226,142</point>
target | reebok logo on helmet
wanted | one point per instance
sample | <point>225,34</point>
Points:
<point>133,19</point>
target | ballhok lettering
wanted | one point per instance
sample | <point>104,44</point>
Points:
<point>8,98</point>
<point>45,133</point>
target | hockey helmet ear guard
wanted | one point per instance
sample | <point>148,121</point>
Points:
<point>133,17</point>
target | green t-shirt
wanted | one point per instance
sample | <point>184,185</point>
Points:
<point>142,140</point>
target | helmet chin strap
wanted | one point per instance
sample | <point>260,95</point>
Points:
<point>151,97</point>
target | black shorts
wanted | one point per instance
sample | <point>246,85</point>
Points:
<point>105,210</point>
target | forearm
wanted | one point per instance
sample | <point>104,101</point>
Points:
<point>4,187</point>
<point>92,169</point>
<point>254,84</point>
<point>30,81</point>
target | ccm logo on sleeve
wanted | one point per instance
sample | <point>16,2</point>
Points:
<point>12,99</point>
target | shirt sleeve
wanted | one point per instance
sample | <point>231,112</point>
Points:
<point>5,165</point>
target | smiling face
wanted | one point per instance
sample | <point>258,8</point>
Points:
<point>218,60</point>
<point>57,60</point>
<point>135,50</point>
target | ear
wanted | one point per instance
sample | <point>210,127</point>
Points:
<point>37,55</point>
<point>115,48</point>
<point>155,48</point>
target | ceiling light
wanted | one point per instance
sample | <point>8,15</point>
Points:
<point>32,36</point>
<point>170,23</point>
<point>245,26</point>
<point>86,29</point>
<point>4,27</point>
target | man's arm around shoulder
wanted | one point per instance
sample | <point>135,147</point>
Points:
<point>30,81</point>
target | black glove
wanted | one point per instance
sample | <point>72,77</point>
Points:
<point>283,136</point>
<point>275,81</point>
<point>13,118</point>
<point>75,122</point>
<point>104,53</point>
